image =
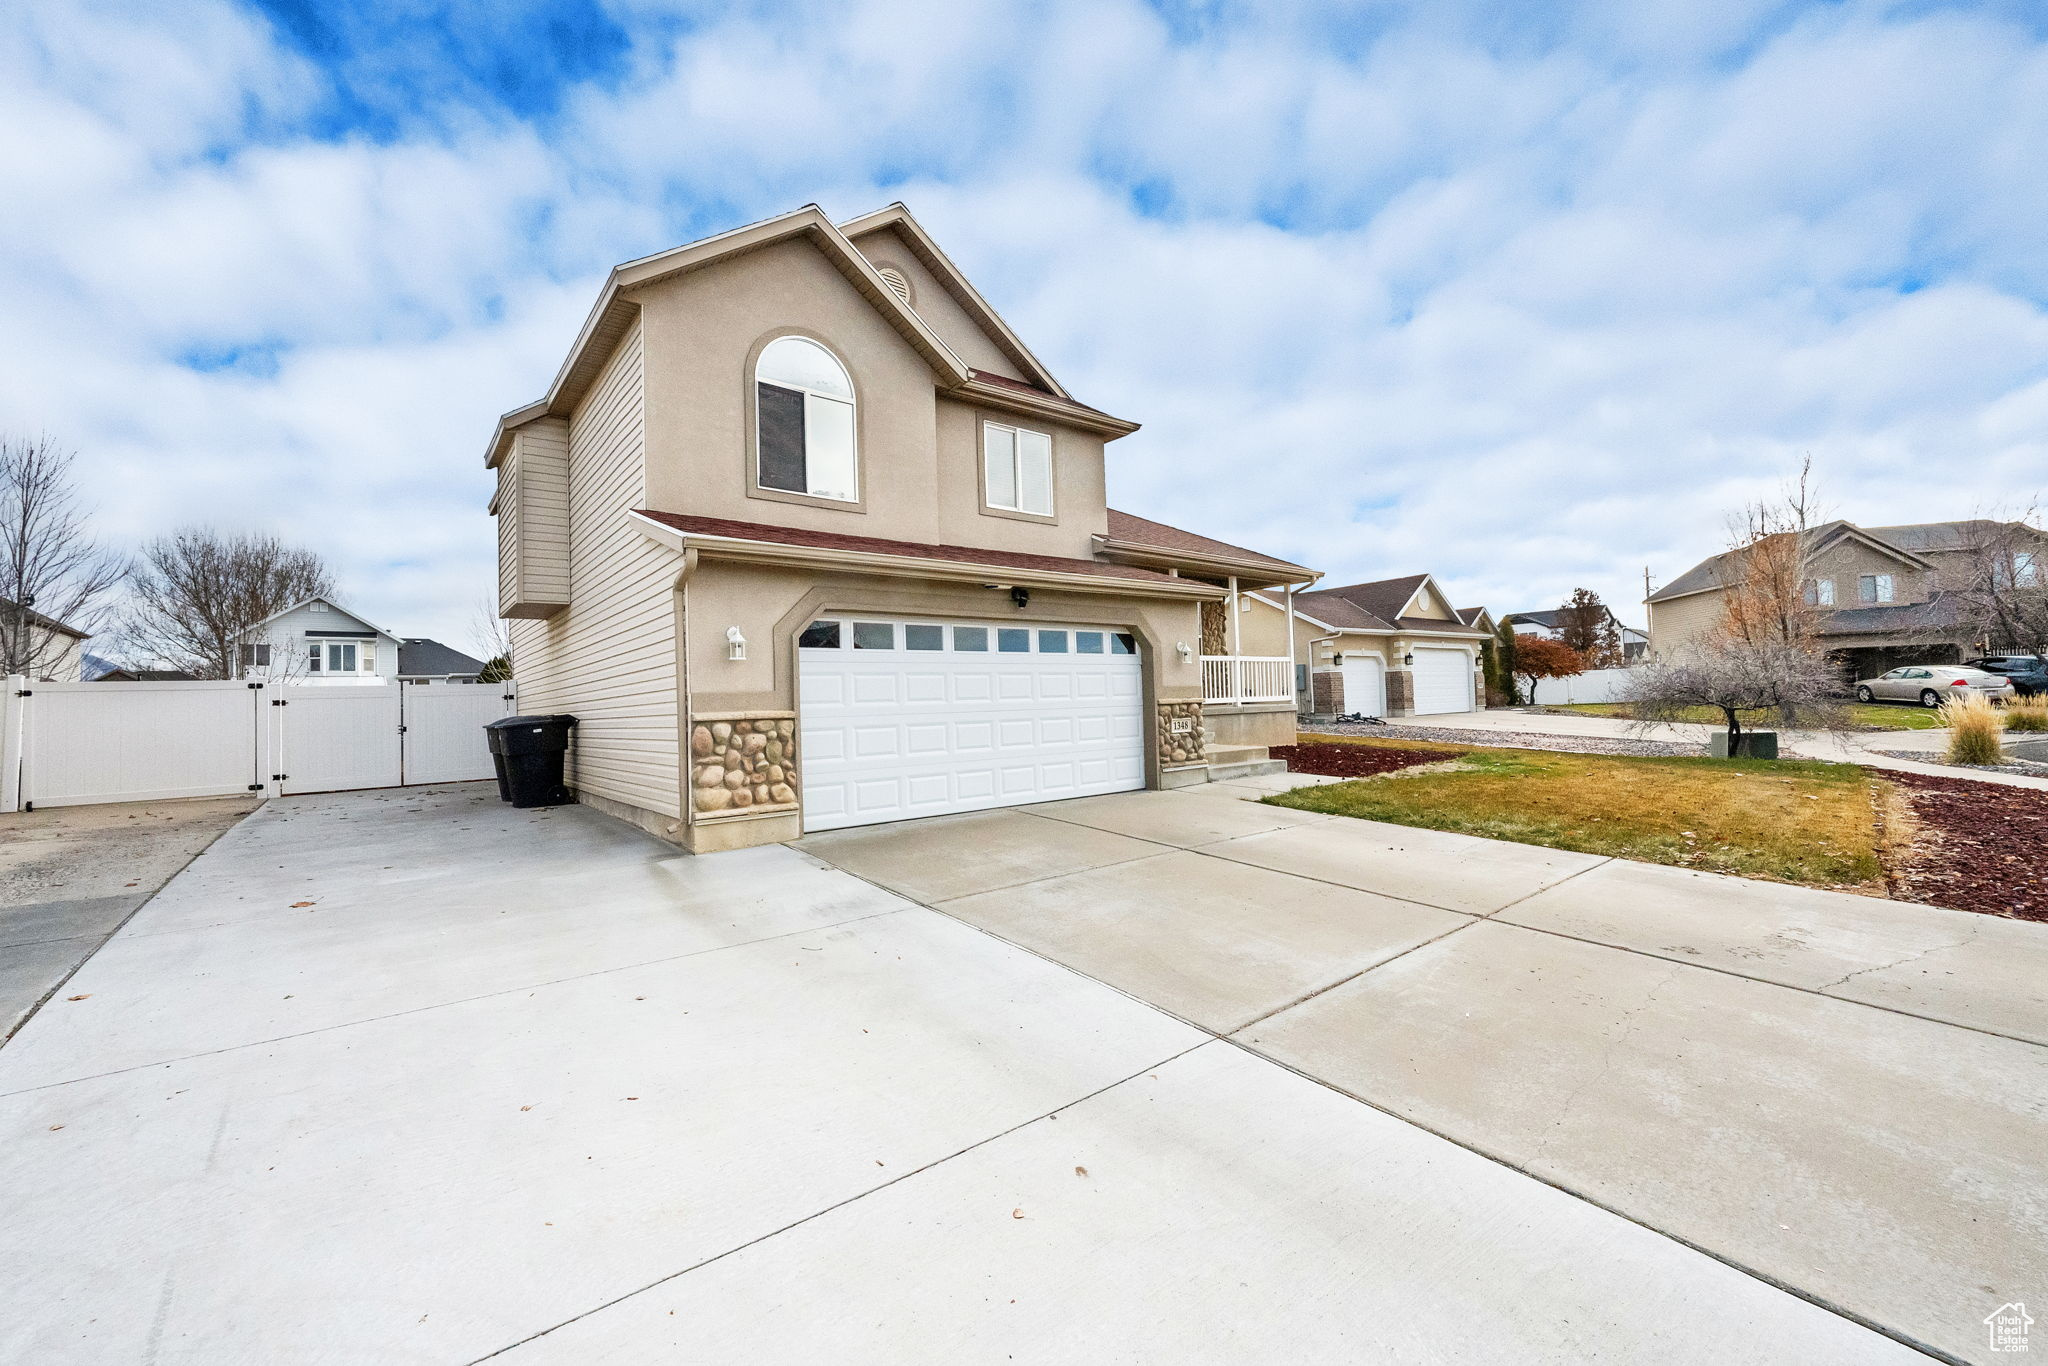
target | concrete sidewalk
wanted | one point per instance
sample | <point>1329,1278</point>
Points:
<point>1848,747</point>
<point>414,1077</point>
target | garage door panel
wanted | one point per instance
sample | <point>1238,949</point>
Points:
<point>1442,680</point>
<point>891,734</point>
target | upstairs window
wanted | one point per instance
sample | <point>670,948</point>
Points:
<point>804,431</point>
<point>1871,588</point>
<point>1017,469</point>
<point>1820,593</point>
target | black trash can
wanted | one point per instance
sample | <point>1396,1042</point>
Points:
<point>528,753</point>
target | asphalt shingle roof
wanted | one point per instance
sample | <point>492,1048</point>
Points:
<point>419,658</point>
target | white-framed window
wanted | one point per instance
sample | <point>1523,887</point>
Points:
<point>1824,592</point>
<point>2026,569</point>
<point>804,422</point>
<point>1874,587</point>
<point>340,657</point>
<point>1016,467</point>
<point>256,656</point>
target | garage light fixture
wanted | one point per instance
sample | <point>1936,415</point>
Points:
<point>735,643</point>
<point>1186,651</point>
<point>1408,660</point>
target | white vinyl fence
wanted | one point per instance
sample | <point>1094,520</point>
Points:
<point>68,744</point>
<point>1594,685</point>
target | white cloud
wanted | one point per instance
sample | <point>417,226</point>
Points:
<point>1527,308</point>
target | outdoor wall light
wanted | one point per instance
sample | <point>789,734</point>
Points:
<point>1186,651</point>
<point>735,643</point>
<point>1021,596</point>
<point>1408,661</point>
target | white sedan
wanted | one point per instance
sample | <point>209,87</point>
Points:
<point>1931,684</point>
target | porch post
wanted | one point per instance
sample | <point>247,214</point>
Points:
<point>1236,647</point>
<point>1291,666</point>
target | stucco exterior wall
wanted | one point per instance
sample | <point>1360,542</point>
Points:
<point>1845,561</point>
<point>962,335</point>
<point>919,453</point>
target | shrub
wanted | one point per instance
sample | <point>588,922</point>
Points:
<point>1973,727</point>
<point>2027,713</point>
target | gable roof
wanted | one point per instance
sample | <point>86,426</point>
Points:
<point>431,659</point>
<point>1469,616</point>
<point>956,284</point>
<point>35,618</point>
<point>307,602</point>
<point>1382,605</point>
<point>1133,537</point>
<point>614,313</point>
<point>1910,543</point>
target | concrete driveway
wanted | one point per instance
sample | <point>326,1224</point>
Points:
<point>413,1077</point>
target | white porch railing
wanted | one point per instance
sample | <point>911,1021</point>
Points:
<point>1247,678</point>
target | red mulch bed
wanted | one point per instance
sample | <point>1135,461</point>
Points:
<point>1982,846</point>
<point>1355,761</point>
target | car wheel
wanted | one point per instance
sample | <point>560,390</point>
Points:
<point>1929,698</point>
<point>1865,695</point>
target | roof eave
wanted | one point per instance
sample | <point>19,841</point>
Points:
<point>1045,406</point>
<point>1265,573</point>
<point>909,566</point>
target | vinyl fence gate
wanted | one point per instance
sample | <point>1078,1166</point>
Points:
<point>69,744</point>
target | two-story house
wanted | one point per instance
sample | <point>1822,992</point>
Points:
<point>319,641</point>
<point>1882,593</point>
<point>806,537</point>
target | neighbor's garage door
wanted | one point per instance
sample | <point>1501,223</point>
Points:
<point>1443,680</point>
<point>919,718</point>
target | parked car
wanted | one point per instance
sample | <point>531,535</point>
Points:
<point>2028,674</point>
<point>1932,684</point>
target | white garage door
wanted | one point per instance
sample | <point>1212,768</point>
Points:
<point>919,718</point>
<point>1365,685</point>
<point>1443,680</point>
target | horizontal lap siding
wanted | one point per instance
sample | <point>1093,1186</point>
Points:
<point>609,658</point>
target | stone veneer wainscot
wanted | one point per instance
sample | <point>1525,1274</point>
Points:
<point>1180,746</point>
<point>743,764</point>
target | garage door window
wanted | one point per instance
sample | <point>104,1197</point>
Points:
<point>1052,642</point>
<point>820,635</point>
<point>1088,642</point>
<point>874,635</point>
<point>1012,642</point>
<point>973,639</point>
<point>924,637</point>
<point>1121,644</point>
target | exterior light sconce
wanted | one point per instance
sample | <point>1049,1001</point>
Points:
<point>1185,651</point>
<point>735,643</point>
<point>1408,661</point>
<point>1021,596</point>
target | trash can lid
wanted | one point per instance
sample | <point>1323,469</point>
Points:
<point>516,722</point>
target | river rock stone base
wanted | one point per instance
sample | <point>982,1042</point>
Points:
<point>743,764</point>
<point>1182,745</point>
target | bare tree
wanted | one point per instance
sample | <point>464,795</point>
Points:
<point>198,592</point>
<point>2000,585</point>
<point>1767,600</point>
<point>1733,676</point>
<point>52,572</point>
<point>492,640</point>
<point>1585,624</point>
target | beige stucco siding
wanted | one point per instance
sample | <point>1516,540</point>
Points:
<point>962,335</point>
<point>919,452</point>
<point>1847,560</point>
<point>1262,629</point>
<point>610,658</point>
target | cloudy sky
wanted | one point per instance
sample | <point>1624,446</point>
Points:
<point>1526,295</point>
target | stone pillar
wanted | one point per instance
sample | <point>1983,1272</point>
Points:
<point>1180,734</point>
<point>1400,692</point>
<point>1326,691</point>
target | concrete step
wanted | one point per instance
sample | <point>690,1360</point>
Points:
<point>1233,754</point>
<point>1251,768</point>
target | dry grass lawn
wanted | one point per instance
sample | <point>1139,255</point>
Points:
<point>1790,821</point>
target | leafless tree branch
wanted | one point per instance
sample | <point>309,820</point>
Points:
<point>51,569</point>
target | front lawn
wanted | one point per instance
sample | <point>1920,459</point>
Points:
<point>1811,823</point>
<point>1861,715</point>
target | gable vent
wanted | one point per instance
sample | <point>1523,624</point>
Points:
<point>896,280</point>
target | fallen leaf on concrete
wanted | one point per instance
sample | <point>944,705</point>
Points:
<point>55,1127</point>
<point>1080,1171</point>
<point>1016,1214</point>
<point>77,998</point>
<point>524,1108</point>
<point>297,904</point>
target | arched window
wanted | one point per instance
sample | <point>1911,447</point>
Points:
<point>803,410</point>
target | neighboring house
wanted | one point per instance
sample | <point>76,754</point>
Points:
<point>120,675</point>
<point>59,650</point>
<point>1634,644</point>
<point>806,537</point>
<point>1879,590</point>
<point>1478,618</point>
<point>429,661</point>
<point>319,641</point>
<point>1395,647</point>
